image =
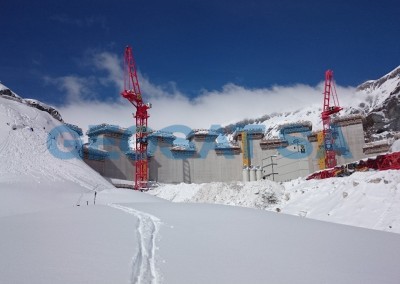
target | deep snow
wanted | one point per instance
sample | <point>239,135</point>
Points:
<point>364,199</point>
<point>52,232</point>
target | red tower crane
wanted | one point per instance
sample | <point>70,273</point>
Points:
<point>328,110</point>
<point>134,96</point>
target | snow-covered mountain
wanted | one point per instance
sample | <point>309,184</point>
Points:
<point>378,91</point>
<point>9,94</point>
<point>29,138</point>
<point>382,109</point>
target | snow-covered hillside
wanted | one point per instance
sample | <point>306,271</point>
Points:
<point>377,91</point>
<point>383,107</point>
<point>28,163</point>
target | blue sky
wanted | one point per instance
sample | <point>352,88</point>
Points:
<point>61,51</point>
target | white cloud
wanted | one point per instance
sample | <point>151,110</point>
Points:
<point>76,88</point>
<point>88,21</point>
<point>112,65</point>
<point>230,104</point>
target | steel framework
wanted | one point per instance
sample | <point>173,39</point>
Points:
<point>328,110</point>
<point>388,161</point>
<point>134,96</point>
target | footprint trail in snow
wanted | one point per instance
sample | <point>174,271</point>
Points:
<point>144,261</point>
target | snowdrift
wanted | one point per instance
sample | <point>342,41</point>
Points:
<point>365,199</point>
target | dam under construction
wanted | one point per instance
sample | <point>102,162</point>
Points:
<point>248,155</point>
<point>209,155</point>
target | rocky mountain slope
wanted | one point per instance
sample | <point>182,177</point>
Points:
<point>382,110</point>
<point>6,93</point>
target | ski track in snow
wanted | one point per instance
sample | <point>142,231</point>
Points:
<point>144,262</point>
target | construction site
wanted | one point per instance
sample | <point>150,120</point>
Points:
<point>249,155</point>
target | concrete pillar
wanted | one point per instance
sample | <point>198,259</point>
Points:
<point>259,173</point>
<point>246,176</point>
<point>253,174</point>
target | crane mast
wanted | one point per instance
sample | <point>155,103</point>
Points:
<point>328,110</point>
<point>134,96</point>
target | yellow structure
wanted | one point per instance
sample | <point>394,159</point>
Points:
<point>245,150</point>
<point>321,150</point>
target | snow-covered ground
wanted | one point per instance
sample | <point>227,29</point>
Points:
<point>51,230</point>
<point>61,222</point>
<point>364,199</point>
